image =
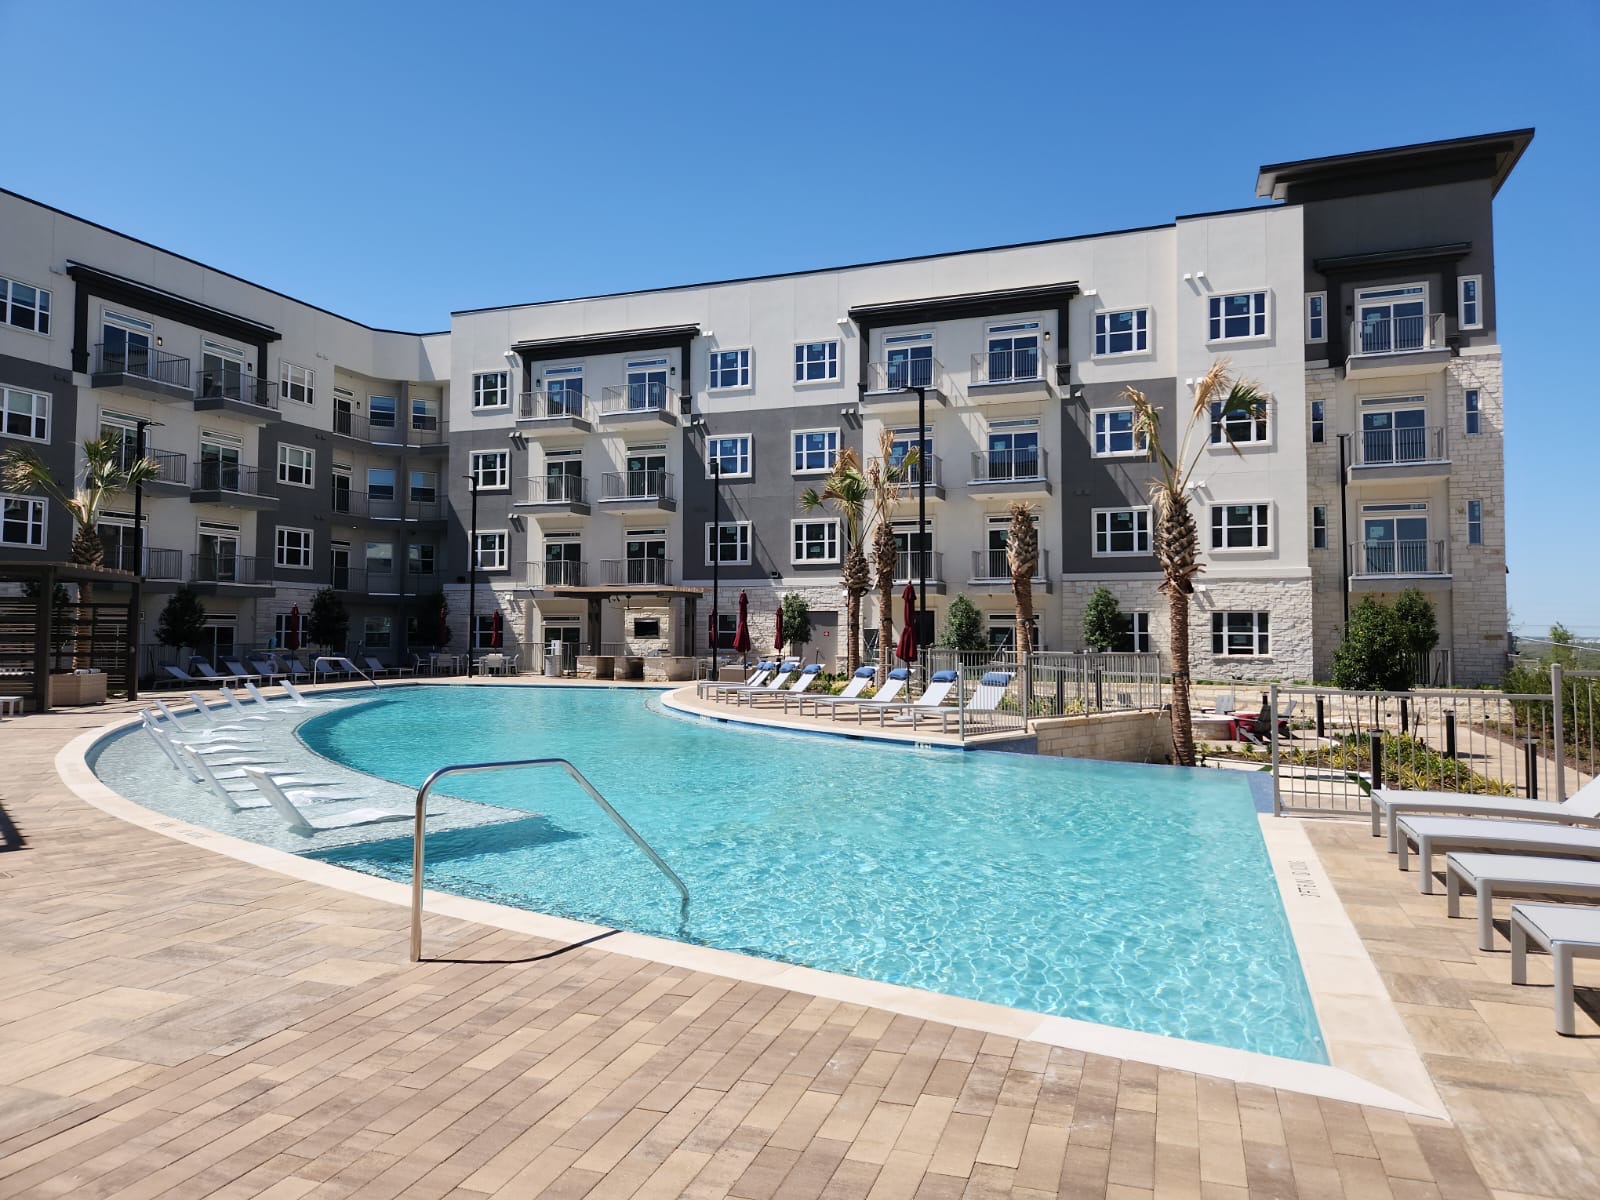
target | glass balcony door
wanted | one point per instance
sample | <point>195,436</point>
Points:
<point>1014,352</point>
<point>219,466</point>
<point>646,559</point>
<point>909,365</point>
<point>645,471</point>
<point>1014,454</point>
<point>562,559</point>
<point>647,385</point>
<point>1395,545</point>
<point>126,350</point>
<point>1393,319</point>
<point>219,556</point>
<point>1394,436</point>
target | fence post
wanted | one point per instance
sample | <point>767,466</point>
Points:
<point>1405,716</point>
<point>1272,715</point>
<point>961,701</point>
<point>1450,735</point>
<point>1530,757</point>
<point>1027,691</point>
<point>1558,740</point>
<point>1321,720</point>
<point>1099,689</point>
<point>1375,740</point>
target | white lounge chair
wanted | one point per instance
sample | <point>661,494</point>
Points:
<point>985,698</point>
<point>1486,875</point>
<point>301,700</point>
<point>1581,808</point>
<point>210,718</point>
<point>178,677</point>
<point>755,679</point>
<point>860,679</point>
<point>174,751</point>
<point>940,685</point>
<point>211,731</point>
<point>239,710</point>
<point>267,669</point>
<point>1567,932</point>
<point>779,679</point>
<point>377,669</point>
<point>235,799</point>
<point>888,694</point>
<point>1437,835</point>
<point>306,826</point>
<point>808,675</point>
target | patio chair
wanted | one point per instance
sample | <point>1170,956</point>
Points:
<point>1222,706</point>
<point>860,679</point>
<point>985,698</point>
<point>756,678</point>
<point>376,669</point>
<point>1489,875</point>
<point>205,672</point>
<point>492,664</point>
<point>886,695</point>
<point>808,675</point>
<point>1435,835</point>
<point>292,668</point>
<point>299,823</point>
<point>178,677</point>
<point>1389,804</point>
<point>1567,932</point>
<point>236,669</point>
<point>777,680</point>
<point>940,685</point>
<point>266,669</point>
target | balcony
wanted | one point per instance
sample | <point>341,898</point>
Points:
<point>637,403</point>
<point>367,507</point>
<point>424,431</point>
<point>230,575</point>
<point>1416,453</point>
<point>891,386</point>
<point>1388,565</point>
<point>1010,473</point>
<point>908,569</point>
<point>172,470</point>
<point>638,491</point>
<point>1009,374</point>
<point>543,414</point>
<point>359,581</point>
<point>238,395</point>
<point>161,565</point>
<point>553,494</point>
<point>1397,345</point>
<point>143,371</point>
<point>933,467</point>
<point>215,482</point>
<point>555,573</point>
<point>992,571</point>
<point>640,572</point>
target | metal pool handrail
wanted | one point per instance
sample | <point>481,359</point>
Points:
<point>418,853</point>
<point>336,659</point>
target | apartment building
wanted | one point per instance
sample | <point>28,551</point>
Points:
<point>608,458</point>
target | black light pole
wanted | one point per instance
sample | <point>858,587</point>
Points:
<point>140,426</point>
<point>715,466</point>
<point>472,575</point>
<point>924,624</point>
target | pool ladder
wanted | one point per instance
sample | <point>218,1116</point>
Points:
<point>419,850</point>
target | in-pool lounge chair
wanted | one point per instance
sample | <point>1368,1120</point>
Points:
<point>756,678</point>
<point>860,680</point>
<point>210,731</point>
<point>173,748</point>
<point>1389,804</point>
<point>237,798</point>
<point>1439,835</point>
<point>306,826</point>
<point>1488,875</point>
<point>888,694</point>
<point>210,718</point>
<point>240,711</point>
<point>940,685</point>
<point>778,679</point>
<point>809,674</point>
<point>300,700</point>
<point>1567,932</point>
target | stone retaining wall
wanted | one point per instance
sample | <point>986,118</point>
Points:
<point>1114,737</point>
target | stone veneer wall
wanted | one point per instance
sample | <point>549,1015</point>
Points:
<point>1322,487</point>
<point>1477,594</point>
<point>1114,737</point>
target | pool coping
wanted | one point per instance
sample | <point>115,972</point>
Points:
<point>1383,1071</point>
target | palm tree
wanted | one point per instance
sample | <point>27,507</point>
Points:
<point>1220,399</point>
<point>885,478</point>
<point>1022,560</point>
<point>846,489</point>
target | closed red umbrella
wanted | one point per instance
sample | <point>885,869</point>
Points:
<point>442,634</point>
<point>291,636</point>
<point>496,630</point>
<point>906,648</point>
<point>777,638</point>
<point>711,631</point>
<point>741,635</point>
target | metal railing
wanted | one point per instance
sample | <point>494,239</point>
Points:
<point>900,374</point>
<point>1012,365</point>
<point>170,467</point>
<point>1053,683</point>
<point>419,843</point>
<point>908,565</point>
<point>386,508</point>
<point>993,564</point>
<point>636,485</point>
<point>142,363</point>
<point>558,489</point>
<point>1397,335</point>
<point>556,573</point>
<point>1405,556</point>
<point>543,405</point>
<point>229,568</point>
<point>339,664</point>
<point>390,429</point>
<point>366,582</point>
<point>912,475</point>
<point>650,572</point>
<point>636,397</point>
<point>1393,447</point>
<point>158,564</point>
<point>229,385</point>
<point>213,475</point>
<point>1004,466</point>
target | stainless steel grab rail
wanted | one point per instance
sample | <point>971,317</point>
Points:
<point>418,853</point>
<point>336,659</point>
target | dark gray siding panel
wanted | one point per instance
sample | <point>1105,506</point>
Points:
<point>1089,483</point>
<point>60,453</point>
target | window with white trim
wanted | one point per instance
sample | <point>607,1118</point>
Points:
<point>1474,522</point>
<point>1133,634</point>
<point>1319,526</point>
<point>1114,433</point>
<point>816,362</point>
<point>1236,316</point>
<point>1474,412</point>
<point>728,543</point>
<point>1237,426</point>
<point>491,389</point>
<point>1013,352</point>
<point>24,306</point>
<point>729,369</point>
<point>491,470</point>
<point>1316,316</point>
<point>293,548</point>
<point>1469,296</point>
<point>296,382</point>
<point>1123,332</point>
<point>1319,424</point>
<point>22,521</point>
<point>731,454</point>
<point>424,487</point>
<point>814,542</point>
<point>24,414</point>
<point>297,466</point>
<point>1121,531</point>
<point>1241,526</point>
<point>815,451</point>
<point>1239,634</point>
<point>490,550</point>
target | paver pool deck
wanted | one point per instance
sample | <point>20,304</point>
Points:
<point>175,1023</point>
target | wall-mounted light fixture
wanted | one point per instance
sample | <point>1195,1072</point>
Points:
<point>1091,291</point>
<point>842,321</point>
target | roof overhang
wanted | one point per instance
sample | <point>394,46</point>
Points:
<point>622,341</point>
<point>966,304</point>
<point>1484,156</point>
<point>170,305</point>
<point>604,591</point>
<point>1378,259</point>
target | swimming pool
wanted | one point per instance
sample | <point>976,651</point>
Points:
<point>1134,896</point>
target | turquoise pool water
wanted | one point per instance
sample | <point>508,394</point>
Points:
<point>1132,896</point>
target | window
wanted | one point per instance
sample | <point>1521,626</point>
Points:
<point>24,414</point>
<point>1319,428</point>
<point>908,361</point>
<point>491,389</point>
<point>1393,320</point>
<point>22,522</point>
<point>483,631</point>
<point>491,550</point>
<point>730,454</point>
<point>296,465</point>
<point>1134,635</point>
<point>491,469</point>
<point>424,487</point>
<point>295,382</point>
<point>727,630</point>
<point>377,632</point>
<point>729,369</point>
<point>24,306</point>
<point>220,461</point>
<point>1474,413</point>
<point>1237,426</point>
<point>563,391</point>
<point>1013,451</point>
<point>647,627</point>
<point>1114,433</point>
<point>381,412</point>
<point>380,558</point>
<point>1316,316</point>
<point>1239,634</point>
<point>1013,351</point>
<point>1319,527</point>
<point>1469,291</point>
<point>815,450</point>
<point>1474,522</point>
<point>1394,540</point>
<point>1125,332</point>
<point>647,385</point>
<point>1240,526</point>
<point>815,362</point>
<point>1239,315</point>
<point>421,559</point>
<point>223,372</point>
<point>1121,531</point>
<point>815,542</point>
<point>380,483</point>
<point>728,543</point>
<point>1393,434</point>
<point>294,548</point>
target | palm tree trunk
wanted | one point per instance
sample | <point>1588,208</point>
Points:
<point>852,607</point>
<point>87,551</point>
<point>1182,729</point>
<point>885,629</point>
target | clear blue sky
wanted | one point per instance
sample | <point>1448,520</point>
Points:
<point>395,161</point>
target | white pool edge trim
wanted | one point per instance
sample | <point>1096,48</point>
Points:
<point>1242,1066</point>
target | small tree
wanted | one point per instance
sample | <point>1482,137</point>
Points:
<point>329,621</point>
<point>182,621</point>
<point>1373,656</point>
<point>796,619</point>
<point>963,627</point>
<point>1102,621</point>
<point>1418,624</point>
<point>432,622</point>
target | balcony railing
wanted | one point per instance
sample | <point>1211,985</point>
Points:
<point>1008,366</point>
<point>245,389</point>
<point>229,568</point>
<point>908,565</point>
<point>1399,557</point>
<point>384,582</point>
<point>636,485</point>
<point>558,572</point>
<point>993,564</point>
<point>1386,447</point>
<point>170,467</point>
<point>900,374</point>
<point>558,489</point>
<point>547,406</point>
<point>636,397</point>
<point>928,464</point>
<point>142,363</point>
<point>1397,335</point>
<point>386,508</point>
<point>158,564</point>
<point>649,572</point>
<point>214,476</point>
<point>1006,466</point>
<point>388,429</point>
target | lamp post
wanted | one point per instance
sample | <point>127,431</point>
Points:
<point>472,574</point>
<point>140,425</point>
<point>924,623</point>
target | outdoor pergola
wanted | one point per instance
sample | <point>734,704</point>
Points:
<point>27,652</point>
<point>683,635</point>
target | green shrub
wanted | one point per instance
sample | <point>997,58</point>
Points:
<point>328,622</point>
<point>1419,627</point>
<point>1374,655</point>
<point>182,621</point>
<point>796,619</point>
<point>1102,621</point>
<point>963,627</point>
